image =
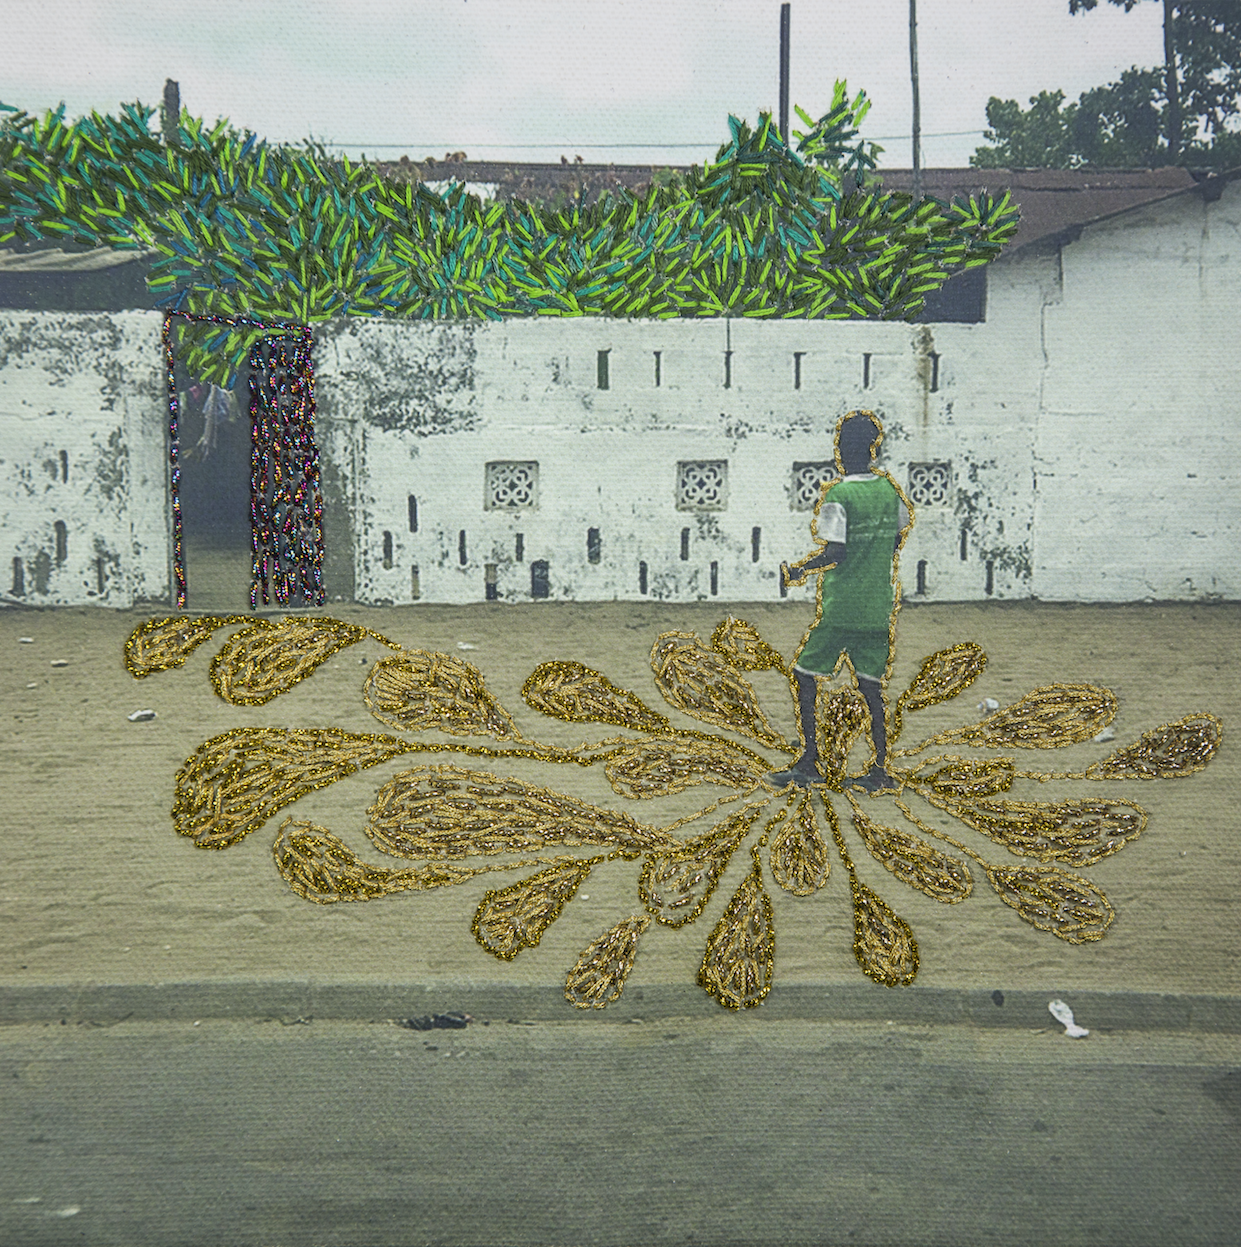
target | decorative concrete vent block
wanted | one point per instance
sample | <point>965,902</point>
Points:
<point>512,485</point>
<point>702,485</point>
<point>930,484</point>
<point>808,482</point>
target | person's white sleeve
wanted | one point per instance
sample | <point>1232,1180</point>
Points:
<point>831,524</point>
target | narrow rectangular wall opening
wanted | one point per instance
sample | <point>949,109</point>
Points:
<point>756,544</point>
<point>594,545</point>
<point>642,578</point>
<point>387,549</point>
<point>413,514</point>
<point>866,371</point>
<point>602,376</point>
<point>715,579</point>
<point>64,466</point>
<point>965,550</point>
<point>990,578</point>
<point>462,554</point>
<point>797,357</point>
<point>921,576</point>
<point>519,547</point>
<point>415,582</point>
<point>934,358</point>
<point>728,370</point>
<point>685,545</point>
<point>540,579</point>
<point>100,575</point>
<point>62,541</point>
<point>491,589</point>
<point>19,578</point>
<point>658,370</point>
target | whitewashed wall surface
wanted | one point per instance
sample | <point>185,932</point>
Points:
<point>83,463</point>
<point>1080,444</point>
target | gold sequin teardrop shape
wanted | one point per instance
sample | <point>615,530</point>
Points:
<point>233,783</point>
<point>798,853</point>
<point>266,659</point>
<point>1078,832</point>
<point>961,778</point>
<point>676,884</point>
<point>941,677</point>
<point>599,976</point>
<point>840,717</point>
<point>915,862</point>
<point>883,944</point>
<point>1165,752</point>
<point>741,644</point>
<point>322,868</point>
<point>419,689</point>
<point>445,812</point>
<point>515,917</point>
<point>578,694</point>
<point>704,684</point>
<point>162,644</point>
<point>1054,900</point>
<point>1045,718</point>
<point>739,963</point>
<point>658,768</point>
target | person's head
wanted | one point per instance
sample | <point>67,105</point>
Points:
<point>857,439</point>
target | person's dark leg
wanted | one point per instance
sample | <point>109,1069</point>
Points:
<point>877,777</point>
<point>805,771</point>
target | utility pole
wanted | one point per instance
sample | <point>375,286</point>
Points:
<point>784,72</point>
<point>913,77</point>
<point>172,109</point>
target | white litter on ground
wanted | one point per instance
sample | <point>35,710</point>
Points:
<point>141,716</point>
<point>1064,1015</point>
<point>987,705</point>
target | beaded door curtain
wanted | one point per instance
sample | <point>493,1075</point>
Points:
<point>286,504</point>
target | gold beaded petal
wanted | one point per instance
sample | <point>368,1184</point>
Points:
<point>1079,832</point>
<point>676,884</point>
<point>599,976</point>
<point>445,812</point>
<point>578,694</point>
<point>1053,900</point>
<point>419,689</point>
<point>264,660</point>
<point>942,676</point>
<point>515,917</point>
<point>658,768</point>
<point>704,684</point>
<point>1058,714</point>
<point>1165,752</point>
<point>162,644</point>
<point>913,861</point>
<point>840,717</point>
<point>740,643</point>
<point>798,853</point>
<point>739,962</point>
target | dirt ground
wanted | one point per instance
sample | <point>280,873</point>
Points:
<point>98,889</point>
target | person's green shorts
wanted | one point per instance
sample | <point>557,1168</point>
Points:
<point>868,651</point>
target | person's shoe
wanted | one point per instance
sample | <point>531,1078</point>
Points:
<point>875,780</point>
<point>803,777</point>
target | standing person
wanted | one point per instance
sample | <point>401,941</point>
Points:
<point>859,525</point>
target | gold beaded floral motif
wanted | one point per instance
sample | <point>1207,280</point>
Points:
<point>444,817</point>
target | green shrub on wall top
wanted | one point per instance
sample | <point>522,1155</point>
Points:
<point>279,233</point>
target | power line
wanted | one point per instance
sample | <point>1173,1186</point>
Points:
<point>942,134</point>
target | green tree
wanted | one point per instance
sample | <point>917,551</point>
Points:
<point>1039,137</point>
<point>1201,69</point>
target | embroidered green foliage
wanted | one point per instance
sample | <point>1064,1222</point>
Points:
<point>246,228</point>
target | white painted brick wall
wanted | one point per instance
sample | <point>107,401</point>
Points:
<point>82,438</point>
<point>1092,424</point>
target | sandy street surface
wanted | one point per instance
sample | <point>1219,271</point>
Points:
<point>98,890</point>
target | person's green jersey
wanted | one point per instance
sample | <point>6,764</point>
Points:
<point>856,597</point>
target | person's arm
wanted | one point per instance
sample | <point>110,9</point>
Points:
<point>828,556</point>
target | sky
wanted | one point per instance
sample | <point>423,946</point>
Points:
<point>625,81</point>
